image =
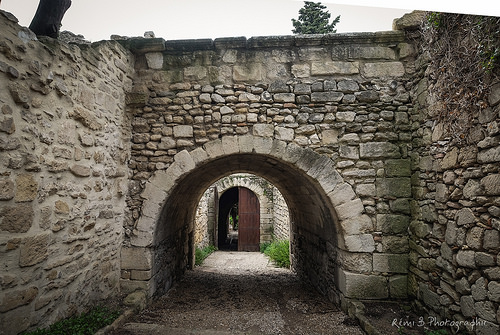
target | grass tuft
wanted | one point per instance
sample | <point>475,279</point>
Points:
<point>201,254</point>
<point>278,252</point>
<point>83,324</point>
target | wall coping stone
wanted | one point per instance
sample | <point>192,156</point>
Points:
<point>140,45</point>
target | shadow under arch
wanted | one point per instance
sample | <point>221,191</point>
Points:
<point>327,218</point>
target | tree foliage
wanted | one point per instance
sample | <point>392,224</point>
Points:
<point>314,19</point>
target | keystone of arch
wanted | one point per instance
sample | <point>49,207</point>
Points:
<point>354,225</point>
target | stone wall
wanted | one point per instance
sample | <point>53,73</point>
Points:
<point>281,216</point>
<point>454,229</point>
<point>64,145</point>
<point>345,97</point>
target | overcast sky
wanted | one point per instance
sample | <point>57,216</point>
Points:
<point>188,19</point>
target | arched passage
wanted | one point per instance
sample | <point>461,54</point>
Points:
<point>328,224</point>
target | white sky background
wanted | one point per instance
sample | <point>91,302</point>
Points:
<point>191,19</point>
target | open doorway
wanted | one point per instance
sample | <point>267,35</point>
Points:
<point>220,214</point>
<point>238,224</point>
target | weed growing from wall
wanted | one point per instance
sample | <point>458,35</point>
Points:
<point>464,61</point>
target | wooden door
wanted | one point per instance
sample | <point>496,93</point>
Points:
<point>248,220</point>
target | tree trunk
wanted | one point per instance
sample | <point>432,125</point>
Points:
<point>48,17</point>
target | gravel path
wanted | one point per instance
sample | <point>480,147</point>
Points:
<point>240,293</point>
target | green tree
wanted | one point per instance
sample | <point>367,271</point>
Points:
<point>314,19</point>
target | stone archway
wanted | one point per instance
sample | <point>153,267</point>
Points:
<point>328,223</point>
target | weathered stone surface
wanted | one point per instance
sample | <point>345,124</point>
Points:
<point>26,188</point>
<point>136,259</point>
<point>393,187</point>
<point>466,258</point>
<point>392,263</point>
<point>393,224</point>
<point>387,69</point>
<point>34,250</point>
<point>333,68</point>
<point>16,219</point>
<point>330,96</point>
<point>379,150</point>
<point>18,298</point>
<point>491,184</point>
<point>183,131</point>
<point>154,60</point>
<point>354,285</point>
<point>264,130</point>
<point>80,170</point>
<point>87,118</point>
<point>7,189</point>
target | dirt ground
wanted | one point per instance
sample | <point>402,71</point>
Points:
<point>240,293</point>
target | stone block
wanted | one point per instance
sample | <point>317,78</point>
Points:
<point>367,96</point>
<point>466,258</point>
<point>341,194</point>
<point>491,184</point>
<point>398,168</point>
<point>230,145</point>
<point>357,225</point>
<point>391,263</point>
<point>250,72</point>
<point>465,216</point>
<point>398,287</point>
<point>87,118</point>
<point>384,70</point>
<point>154,60</point>
<point>266,146</point>
<point>214,148</point>
<point>400,206</point>
<point>141,238</point>
<point>198,155</point>
<point>366,190</point>
<point>329,136</point>
<point>183,131</point>
<point>333,68</point>
<point>293,153</point>
<point>393,187</point>
<point>140,259</point>
<point>26,188</point>
<point>17,218</point>
<point>392,223</point>
<point>285,134</point>
<point>361,286</point>
<point>379,150</point>
<point>347,86</point>
<point>395,244</point>
<point>264,130</point>
<point>7,189</point>
<point>80,170</point>
<point>486,310</point>
<point>491,155</point>
<point>467,306</point>
<point>350,209</point>
<point>20,297</point>
<point>356,262</point>
<point>33,250</point>
<point>359,243</point>
<point>329,96</point>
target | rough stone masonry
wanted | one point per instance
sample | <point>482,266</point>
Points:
<point>106,150</point>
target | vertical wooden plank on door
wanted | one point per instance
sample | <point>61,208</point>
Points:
<point>248,220</point>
